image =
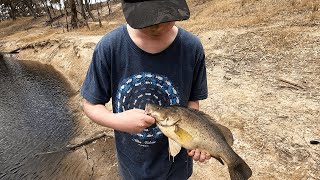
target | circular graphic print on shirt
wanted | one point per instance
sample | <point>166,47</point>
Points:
<point>139,89</point>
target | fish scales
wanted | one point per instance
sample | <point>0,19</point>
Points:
<point>206,130</point>
<point>193,129</point>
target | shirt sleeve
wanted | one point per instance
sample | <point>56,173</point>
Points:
<point>96,87</point>
<point>199,89</point>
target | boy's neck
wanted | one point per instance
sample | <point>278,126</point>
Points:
<point>152,42</point>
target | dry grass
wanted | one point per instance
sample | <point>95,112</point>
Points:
<point>250,46</point>
<point>311,5</point>
<point>21,24</point>
<point>282,39</point>
<point>242,13</point>
<point>222,14</point>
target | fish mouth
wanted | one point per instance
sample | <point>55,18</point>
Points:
<point>164,123</point>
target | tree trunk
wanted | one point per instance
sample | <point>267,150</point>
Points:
<point>60,8</point>
<point>65,9</point>
<point>83,13</point>
<point>53,11</point>
<point>100,5</point>
<point>12,11</point>
<point>37,9</point>
<point>74,14</point>
<point>47,9</point>
<point>100,24</point>
<point>29,4</point>
<point>109,7</point>
<point>88,10</point>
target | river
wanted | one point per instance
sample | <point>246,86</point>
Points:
<point>34,118</point>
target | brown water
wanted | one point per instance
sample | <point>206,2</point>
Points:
<point>34,118</point>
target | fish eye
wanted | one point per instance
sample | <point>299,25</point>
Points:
<point>158,108</point>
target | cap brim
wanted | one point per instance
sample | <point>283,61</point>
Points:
<point>147,13</point>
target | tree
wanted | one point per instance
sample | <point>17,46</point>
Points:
<point>89,10</point>
<point>57,2</point>
<point>109,6</point>
<point>45,5</point>
<point>65,8</point>
<point>10,5</point>
<point>31,7</point>
<point>11,9</point>
<point>83,12</point>
<point>74,14</point>
<point>99,18</point>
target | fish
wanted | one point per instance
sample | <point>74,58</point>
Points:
<point>193,129</point>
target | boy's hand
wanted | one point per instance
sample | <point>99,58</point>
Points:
<point>199,155</point>
<point>135,120</point>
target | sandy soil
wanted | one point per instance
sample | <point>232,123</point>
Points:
<point>264,84</point>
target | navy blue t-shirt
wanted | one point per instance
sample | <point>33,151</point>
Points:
<point>132,77</point>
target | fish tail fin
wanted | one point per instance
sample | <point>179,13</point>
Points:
<point>240,171</point>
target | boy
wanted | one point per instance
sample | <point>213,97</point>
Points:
<point>148,60</point>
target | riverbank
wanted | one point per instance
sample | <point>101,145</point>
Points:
<point>263,76</point>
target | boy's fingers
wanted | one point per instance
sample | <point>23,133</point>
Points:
<point>150,120</point>
<point>138,110</point>
<point>208,156</point>
<point>202,157</point>
<point>196,156</point>
<point>191,152</point>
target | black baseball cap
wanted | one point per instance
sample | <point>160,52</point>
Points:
<point>143,13</point>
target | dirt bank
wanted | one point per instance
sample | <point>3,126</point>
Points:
<point>263,76</point>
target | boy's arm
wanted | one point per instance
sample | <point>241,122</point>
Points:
<point>196,154</point>
<point>193,104</point>
<point>131,121</point>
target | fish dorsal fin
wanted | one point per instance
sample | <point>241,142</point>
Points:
<point>226,133</point>
<point>183,135</point>
<point>174,148</point>
<point>200,113</point>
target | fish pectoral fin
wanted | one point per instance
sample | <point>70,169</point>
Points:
<point>183,135</point>
<point>226,133</point>
<point>174,147</point>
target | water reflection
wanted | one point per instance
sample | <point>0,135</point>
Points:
<point>34,118</point>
